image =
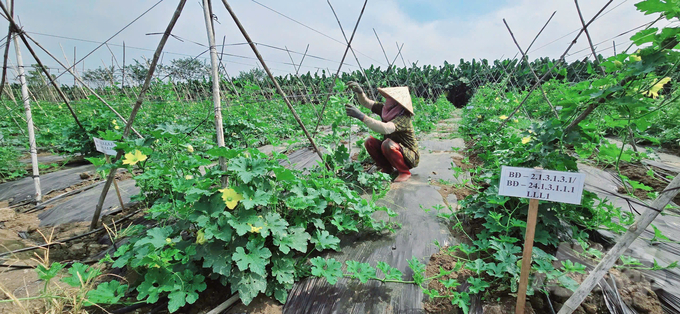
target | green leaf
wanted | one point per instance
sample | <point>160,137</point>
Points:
<point>644,36</point>
<point>418,269</point>
<point>248,285</point>
<point>247,169</point>
<point>176,300</point>
<point>297,239</point>
<point>284,270</point>
<point>256,259</point>
<point>156,281</point>
<point>478,266</point>
<point>185,290</point>
<point>477,284</point>
<point>217,258</point>
<point>658,235</point>
<point>323,240</point>
<point>242,220</point>
<point>284,174</point>
<point>257,198</point>
<point>450,283</point>
<point>107,293</point>
<point>496,270</point>
<point>344,222</point>
<point>568,282</point>
<point>80,275</point>
<point>274,225</point>
<point>390,272</point>
<point>362,271</point>
<point>211,206</point>
<point>156,237</point>
<point>221,231</point>
<point>330,269</point>
<point>47,274</point>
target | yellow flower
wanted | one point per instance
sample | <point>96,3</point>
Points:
<point>503,117</point>
<point>526,140</point>
<point>133,158</point>
<point>654,91</point>
<point>230,197</point>
<point>254,229</point>
<point>116,127</point>
<point>190,148</point>
<point>188,177</point>
<point>635,58</point>
<point>515,120</point>
<point>479,117</point>
<point>114,121</point>
<point>200,237</point>
<point>497,99</point>
<point>531,132</point>
<point>59,106</point>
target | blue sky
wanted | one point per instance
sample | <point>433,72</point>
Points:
<point>428,11</point>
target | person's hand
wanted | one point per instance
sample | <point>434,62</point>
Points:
<point>354,112</point>
<point>355,87</point>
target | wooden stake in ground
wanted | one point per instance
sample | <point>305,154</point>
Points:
<point>620,247</point>
<point>537,184</point>
<point>29,121</point>
<point>532,217</point>
<point>115,185</point>
<point>135,109</point>
<point>214,63</point>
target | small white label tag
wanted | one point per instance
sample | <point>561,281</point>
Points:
<point>106,147</point>
<point>548,185</point>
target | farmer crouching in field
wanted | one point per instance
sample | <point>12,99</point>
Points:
<point>399,148</point>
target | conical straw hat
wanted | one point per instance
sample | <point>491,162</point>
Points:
<point>400,94</point>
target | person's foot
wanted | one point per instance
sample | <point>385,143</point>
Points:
<point>387,171</point>
<point>402,177</point>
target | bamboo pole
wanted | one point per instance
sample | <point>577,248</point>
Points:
<point>590,41</point>
<point>526,59</point>
<point>29,120</point>
<point>561,59</point>
<point>215,84</point>
<point>620,247</point>
<point>342,61</point>
<point>122,80</point>
<point>276,84</point>
<point>224,68</point>
<point>10,4</point>
<point>135,109</point>
<point>41,65</point>
<point>75,85</point>
<point>370,87</point>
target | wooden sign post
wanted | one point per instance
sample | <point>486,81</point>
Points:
<point>537,184</point>
<point>108,148</point>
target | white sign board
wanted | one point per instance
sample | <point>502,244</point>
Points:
<point>548,185</point>
<point>106,147</point>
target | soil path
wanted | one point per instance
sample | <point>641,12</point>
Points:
<point>419,230</point>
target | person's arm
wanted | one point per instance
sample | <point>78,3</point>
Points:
<point>375,125</point>
<point>380,127</point>
<point>365,101</point>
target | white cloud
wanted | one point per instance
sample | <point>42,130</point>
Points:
<point>481,36</point>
